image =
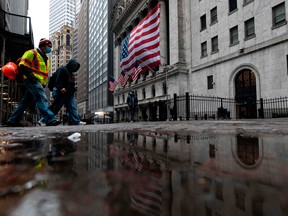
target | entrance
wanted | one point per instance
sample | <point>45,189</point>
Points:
<point>245,84</point>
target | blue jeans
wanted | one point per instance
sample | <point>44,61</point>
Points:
<point>132,113</point>
<point>34,93</point>
<point>69,101</point>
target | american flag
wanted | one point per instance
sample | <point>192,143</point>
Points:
<point>142,44</point>
<point>112,83</point>
<point>123,78</point>
<point>136,72</point>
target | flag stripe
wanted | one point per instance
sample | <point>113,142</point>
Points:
<point>112,83</point>
<point>136,73</point>
<point>142,51</point>
<point>143,44</point>
<point>123,78</point>
<point>140,47</point>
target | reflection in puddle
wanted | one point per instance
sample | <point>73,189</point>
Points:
<point>130,173</point>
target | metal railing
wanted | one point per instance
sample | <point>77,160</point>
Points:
<point>15,23</point>
<point>273,107</point>
<point>196,107</point>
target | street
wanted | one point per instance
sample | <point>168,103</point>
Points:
<point>146,168</point>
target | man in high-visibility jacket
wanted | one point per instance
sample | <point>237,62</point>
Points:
<point>35,65</point>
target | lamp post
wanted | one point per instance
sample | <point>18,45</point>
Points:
<point>166,69</point>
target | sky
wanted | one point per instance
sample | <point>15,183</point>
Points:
<point>39,13</point>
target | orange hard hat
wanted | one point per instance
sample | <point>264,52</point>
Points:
<point>10,70</point>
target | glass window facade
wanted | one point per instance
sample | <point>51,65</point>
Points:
<point>62,12</point>
<point>98,55</point>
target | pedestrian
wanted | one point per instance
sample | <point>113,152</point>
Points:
<point>65,90</point>
<point>132,102</point>
<point>35,65</point>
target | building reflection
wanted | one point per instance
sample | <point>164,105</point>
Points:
<point>197,174</point>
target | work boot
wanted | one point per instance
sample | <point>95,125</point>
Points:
<point>54,123</point>
<point>13,124</point>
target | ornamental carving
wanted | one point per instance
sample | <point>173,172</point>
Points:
<point>122,10</point>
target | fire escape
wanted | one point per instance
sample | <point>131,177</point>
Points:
<point>16,36</point>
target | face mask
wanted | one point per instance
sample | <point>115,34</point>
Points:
<point>48,50</point>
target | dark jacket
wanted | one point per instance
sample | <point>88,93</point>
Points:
<point>65,77</point>
<point>132,101</point>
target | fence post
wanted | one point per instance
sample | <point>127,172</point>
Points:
<point>175,112</point>
<point>187,106</point>
<point>261,109</point>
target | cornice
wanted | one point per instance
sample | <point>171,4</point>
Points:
<point>122,11</point>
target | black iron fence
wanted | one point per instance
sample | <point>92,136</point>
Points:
<point>273,107</point>
<point>196,107</point>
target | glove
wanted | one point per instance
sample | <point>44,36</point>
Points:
<point>31,78</point>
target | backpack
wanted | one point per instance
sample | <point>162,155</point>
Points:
<point>52,81</point>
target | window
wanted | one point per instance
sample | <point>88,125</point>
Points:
<point>213,15</point>
<point>68,40</point>
<point>240,199</point>
<point>164,87</point>
<point>287,63</point>
<point>153,91</point>
<point>143,93</point>
<point>210,82</point>
<point>214,44</point>
<point>204,49</point>
<point>212,150</point>
<point>245,2</point>
<point>234,35</point>
<point>249,28</point>
<point>232,5</point>
<point>279,16</point>
<point>219,191</point>
<point>203,22</point>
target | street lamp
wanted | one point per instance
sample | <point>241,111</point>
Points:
<point>166,69</point>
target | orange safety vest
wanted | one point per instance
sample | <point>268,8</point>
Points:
<point>33,60</point>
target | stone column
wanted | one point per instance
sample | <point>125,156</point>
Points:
<point>117,59</point>
<point>163,34</point>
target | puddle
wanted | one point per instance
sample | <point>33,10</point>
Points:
<point>130,173</point>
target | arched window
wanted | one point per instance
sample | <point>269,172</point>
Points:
<point>68,40</point>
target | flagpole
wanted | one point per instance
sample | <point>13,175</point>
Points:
<point>147,66</point>
<point>166,68</point>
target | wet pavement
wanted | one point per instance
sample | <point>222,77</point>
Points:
<point>217,168</point>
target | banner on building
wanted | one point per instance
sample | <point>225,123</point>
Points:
<point>142,44</point>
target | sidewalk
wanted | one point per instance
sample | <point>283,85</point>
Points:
<point>267,126</point>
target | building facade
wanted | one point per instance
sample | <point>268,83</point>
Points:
<point>156,86</point>
<point>234,49</point>
<point>62,47</point>
<point>100,54</point>
<point>238,50</point>
<point>62,12</point>
<point>82,73</point>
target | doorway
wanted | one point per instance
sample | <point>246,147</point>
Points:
<point>246,99</point>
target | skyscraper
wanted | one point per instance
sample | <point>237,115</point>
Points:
<point>100,55</point>
<point>62,12</point>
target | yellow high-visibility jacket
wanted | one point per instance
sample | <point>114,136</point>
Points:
<point>33,60</point>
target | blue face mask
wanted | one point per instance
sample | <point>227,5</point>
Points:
<point>48,50</point>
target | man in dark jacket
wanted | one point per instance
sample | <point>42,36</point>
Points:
<point>65,90</point>
<point>132,102</point>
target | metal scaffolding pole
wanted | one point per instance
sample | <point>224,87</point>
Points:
<point>2,79</point>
